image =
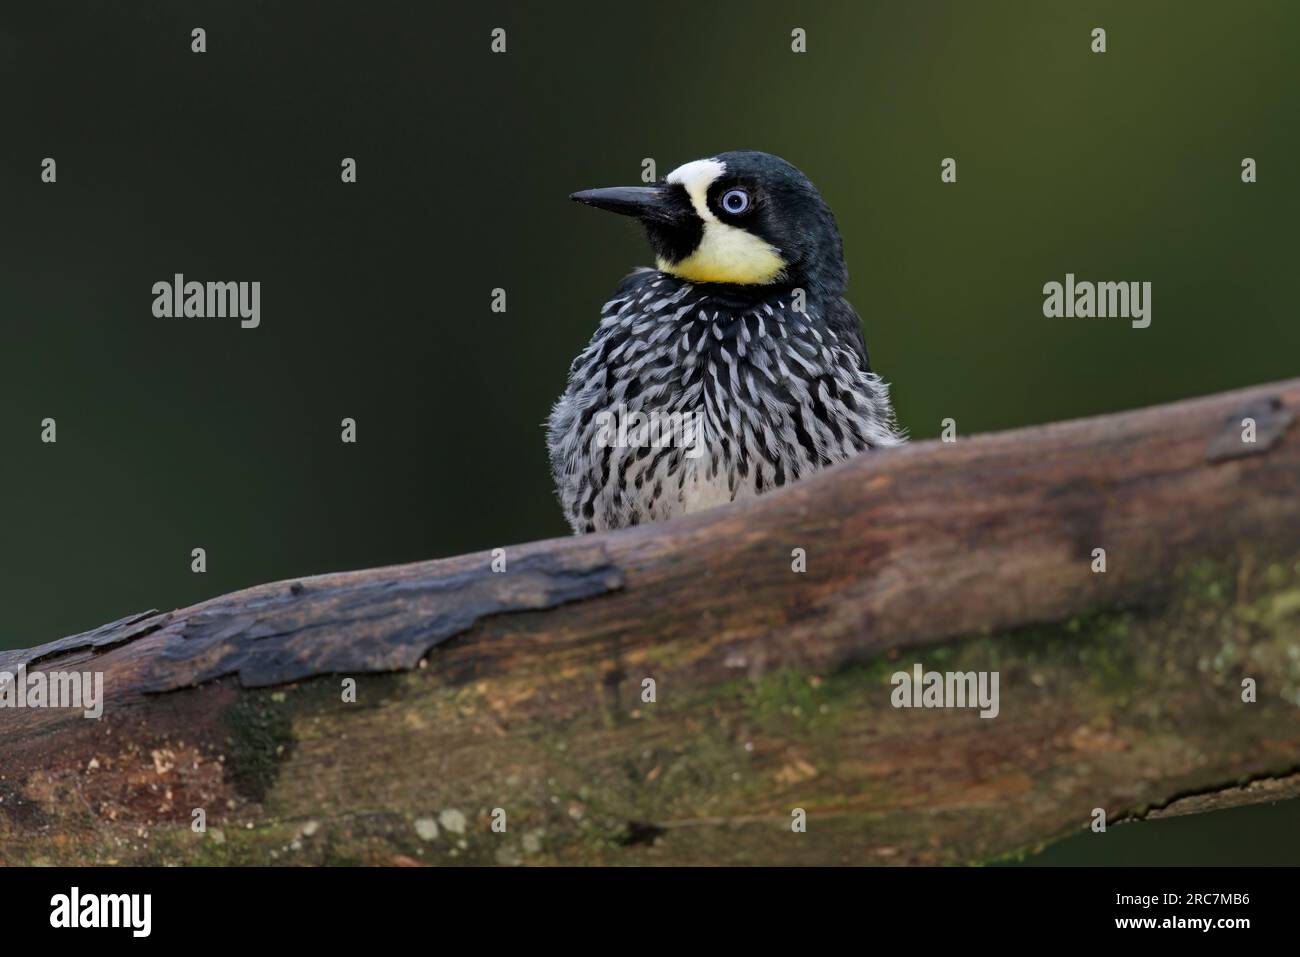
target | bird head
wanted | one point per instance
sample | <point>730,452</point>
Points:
<point>743,218</point>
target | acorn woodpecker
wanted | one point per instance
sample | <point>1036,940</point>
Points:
<point>732,368</point>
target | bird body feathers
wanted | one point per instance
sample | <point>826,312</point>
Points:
<point>777,393</point>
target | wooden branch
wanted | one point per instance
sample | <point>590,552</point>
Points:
<point>523,690</point>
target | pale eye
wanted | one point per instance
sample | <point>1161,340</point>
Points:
<point>735,201</point>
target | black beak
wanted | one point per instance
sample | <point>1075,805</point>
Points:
<point>643,202</point>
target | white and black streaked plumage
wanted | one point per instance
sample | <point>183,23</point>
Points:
<point>716,332</point>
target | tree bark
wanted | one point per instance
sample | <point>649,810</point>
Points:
<point>519,699</point>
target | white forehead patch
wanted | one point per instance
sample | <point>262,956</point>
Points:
<point>697,176</point>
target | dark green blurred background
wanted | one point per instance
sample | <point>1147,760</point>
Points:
<point>375,296</point>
